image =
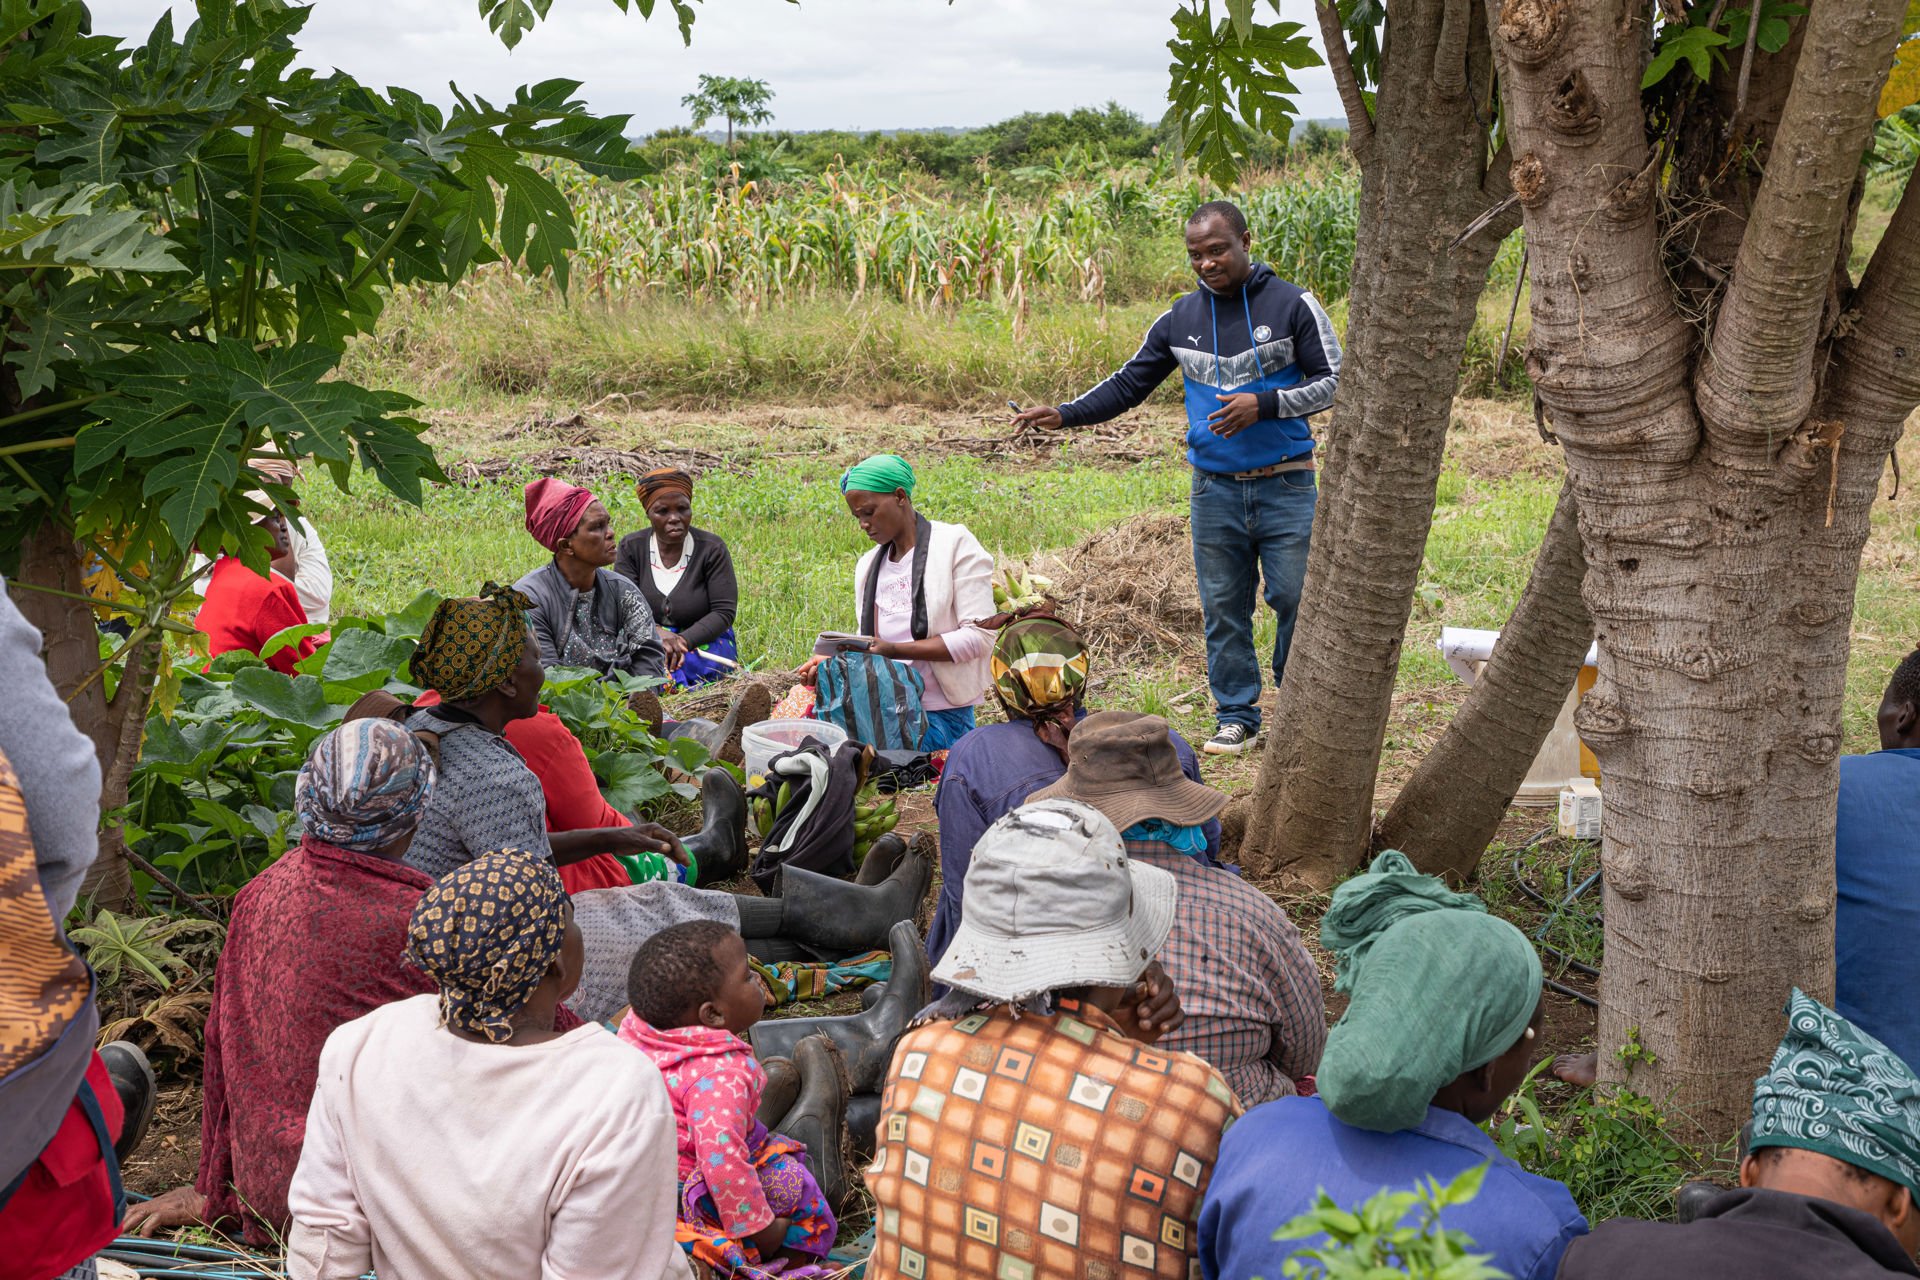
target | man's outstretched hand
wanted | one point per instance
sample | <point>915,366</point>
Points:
<point>1043,417</point>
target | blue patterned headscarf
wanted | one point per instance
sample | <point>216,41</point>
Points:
<point>1835,1090</point>
<point>486,933</point>
<point>364,786</point>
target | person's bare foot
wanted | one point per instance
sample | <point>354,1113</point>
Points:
<point>1577,1068</point>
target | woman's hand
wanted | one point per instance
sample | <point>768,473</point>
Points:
<point>771,1238</point>
<point>1151,1008</point>
<point>651,837</point>
<point>808,667</point>
<point>676,648</point>
<point>884,649</point>
<point>180,1207</point>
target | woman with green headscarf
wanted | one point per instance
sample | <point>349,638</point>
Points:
<point>464,1135</point>
<point>1443,1013</point>
<point>922,593</point>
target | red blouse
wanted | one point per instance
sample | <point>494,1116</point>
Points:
<point>244,610</point>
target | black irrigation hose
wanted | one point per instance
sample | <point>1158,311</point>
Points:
<point>1520,881</point>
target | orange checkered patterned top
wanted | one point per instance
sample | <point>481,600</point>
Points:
<point>1042,1148</point>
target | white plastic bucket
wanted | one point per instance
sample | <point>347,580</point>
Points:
<point>760,743</point>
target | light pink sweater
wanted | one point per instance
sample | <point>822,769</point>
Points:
<point>432,1157</point>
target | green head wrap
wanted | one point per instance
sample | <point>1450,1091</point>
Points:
<point>1835,1090</point>
<point>882,473</point>
<point>1438,986</point>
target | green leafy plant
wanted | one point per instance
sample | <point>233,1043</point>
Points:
<point>210,802</point>
<point>1231,74</point>
<point>1613,1149</point>
<point>733,98</point>
<point>1376,1241</point>
<point>116,943</point>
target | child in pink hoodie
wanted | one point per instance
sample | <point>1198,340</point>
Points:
<point>748,1202</point>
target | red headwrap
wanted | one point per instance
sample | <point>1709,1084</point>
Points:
<point>554,509</point>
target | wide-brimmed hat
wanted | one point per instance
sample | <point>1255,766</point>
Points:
<point>1052,901</point>
<point>1123,764</point>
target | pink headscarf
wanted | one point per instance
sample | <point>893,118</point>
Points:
<point>554,509</point>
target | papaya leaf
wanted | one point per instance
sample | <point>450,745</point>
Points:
<point>295,700</point>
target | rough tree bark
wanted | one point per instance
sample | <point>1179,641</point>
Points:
<point>70,645</point>
<point>1424,177</point>
<point>1724,473</point>
<point>1453,804</point>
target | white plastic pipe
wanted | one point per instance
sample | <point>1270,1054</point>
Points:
<point>1467,649</point>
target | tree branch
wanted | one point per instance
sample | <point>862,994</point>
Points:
<point>1758,384</point>
<point>1340,62</point>
<point>1450,53</point>
<point>1880,357</point>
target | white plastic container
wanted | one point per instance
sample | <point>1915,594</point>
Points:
<point>1580,810</point>
<point>760,743</point>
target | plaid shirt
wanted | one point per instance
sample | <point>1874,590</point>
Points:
<point>1249,989</point>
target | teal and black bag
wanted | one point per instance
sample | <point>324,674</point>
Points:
<point>875,699</point>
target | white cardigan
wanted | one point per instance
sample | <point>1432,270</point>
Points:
<point>959,586</point>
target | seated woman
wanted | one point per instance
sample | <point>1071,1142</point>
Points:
<point>583,613</point>
<point>466,1136</point>
<point>1444,1010</point>
<point>1030,1104</point>
<point>686,574</point>
<point>277,995</point>
<point>748,1201</point>
<point>243,610</point>
<point>1040,670</point>
<point>922,592</point>
<point>481,655</point>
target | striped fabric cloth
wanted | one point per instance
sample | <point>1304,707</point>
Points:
<point>1249,989</point>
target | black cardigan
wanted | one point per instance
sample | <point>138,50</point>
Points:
<point>702,605</point>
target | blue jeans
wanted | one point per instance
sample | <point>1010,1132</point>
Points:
<point>1246,532</point>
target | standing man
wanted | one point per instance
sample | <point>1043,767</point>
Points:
<point>1259,355</point>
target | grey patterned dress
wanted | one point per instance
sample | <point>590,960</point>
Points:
<point>609,628</point>
<point>485,798</point>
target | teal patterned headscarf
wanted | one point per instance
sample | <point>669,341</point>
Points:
<point>1835,1090</point>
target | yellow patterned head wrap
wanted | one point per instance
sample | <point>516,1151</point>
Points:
<point>471,646</point>
<point>486,934</point>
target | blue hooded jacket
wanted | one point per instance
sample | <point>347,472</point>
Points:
<point>1269,337</point>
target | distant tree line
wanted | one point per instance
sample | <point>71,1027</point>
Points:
<point>968,156</point>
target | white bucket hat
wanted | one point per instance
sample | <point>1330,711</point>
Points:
<point>1052,901</point>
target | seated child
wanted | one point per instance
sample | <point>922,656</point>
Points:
<point>747,1198</point>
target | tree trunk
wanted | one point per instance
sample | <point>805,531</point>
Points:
<point>1412,306</point>
<point>1451,807</point>
<point>1723,497</point>
<point>71,649</point>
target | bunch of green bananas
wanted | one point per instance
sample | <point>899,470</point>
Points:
<point>874,815</point>
<point>1021,591</point>
<point>762,811</point>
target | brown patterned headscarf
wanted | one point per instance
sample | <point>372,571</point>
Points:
<point>472,645</point>
<point>663,480</point>
<point>486,933</point>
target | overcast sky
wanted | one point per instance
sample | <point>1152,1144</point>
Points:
<point>856,64</point>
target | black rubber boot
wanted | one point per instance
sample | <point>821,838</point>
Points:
<point>864,1039</point>
<point>1693,1198</point>
<point>871,995</point>
<point>818,1118</point>
<point>719,848</point>
<point>132,1077</point>
<point>863,1126</point>
<point>840,918</point>
<point>782,1091</point>
<point>883,858</point>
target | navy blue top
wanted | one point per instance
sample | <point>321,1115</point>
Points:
<point>1877,916</point>
<point>1279,1155</point>
<point>989,773</point>
<point>1269,337</point>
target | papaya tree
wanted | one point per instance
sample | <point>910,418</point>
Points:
<point>191,230</point>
